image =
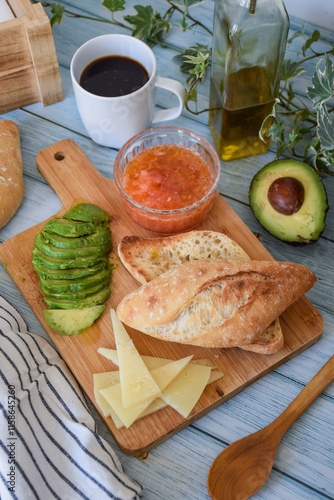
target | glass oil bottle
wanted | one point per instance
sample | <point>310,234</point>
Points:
<point>248,51</point>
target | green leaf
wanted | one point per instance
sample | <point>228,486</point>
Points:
<point>291,69</point>
<point>325,165</point>
<point>293,137</point>
<point>297,34</point>
<point>315,142</point>
<point>143,21</point>
<point>194,61</point>
<point>57,9</point>
<point>290,93</point>
<point>322,83</point>
<point>325,129</point>
<point>159,30</point>
<point>275,127</point>
<point>197,65</point>
<point>275,131</point>
<point>150,27</point>
<point>192,95</point>
<point>313,38</point>
<point>184,23</point>
<point>310,156</point>
<point>113,5</point>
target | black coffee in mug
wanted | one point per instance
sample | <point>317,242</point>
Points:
<point>113,76</point>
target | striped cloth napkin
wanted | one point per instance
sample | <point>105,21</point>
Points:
<point>48,444</point>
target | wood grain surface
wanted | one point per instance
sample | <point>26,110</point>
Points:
<point>72,176</point>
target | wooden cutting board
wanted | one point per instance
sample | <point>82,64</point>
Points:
<point>73,177</point>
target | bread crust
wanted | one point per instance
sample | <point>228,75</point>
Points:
<point>215,302</point>
<point>11,174</point>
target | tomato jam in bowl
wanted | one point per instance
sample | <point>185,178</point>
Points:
<point>167,177</point>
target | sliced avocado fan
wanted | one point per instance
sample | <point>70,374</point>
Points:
<point>71,258</point>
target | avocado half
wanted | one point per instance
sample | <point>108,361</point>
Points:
<point>289,200</point>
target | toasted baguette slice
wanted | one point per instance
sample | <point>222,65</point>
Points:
<point>147,258</point>
<point>215,302</point>
<point>268,342</point>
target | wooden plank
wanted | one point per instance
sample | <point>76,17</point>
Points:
<point>29,70</point>
<point>72,176</point>
<point>21,8</point>
<point>43,52</point>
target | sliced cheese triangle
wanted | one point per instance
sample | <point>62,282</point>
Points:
<point>215,375</point>
<point>137,384</point>
<point>101,381</point>
<point>109,354</point>
<point>163,375</point>
<point>185,390</point>
<point>113,396</point>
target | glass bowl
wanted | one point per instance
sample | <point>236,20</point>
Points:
<point>167,221</point>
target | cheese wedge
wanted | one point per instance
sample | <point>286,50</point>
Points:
<point>109,354</point>
<point>163,375</point>
<point>137,384</point>
<point>113,396</point>
<point>184,392</point>
<point>159,403</point>
<point>101,381</point>
<point>214,375</point>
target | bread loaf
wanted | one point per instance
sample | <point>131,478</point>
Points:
<point>215,302</point>
<point>147,258</point>
<point>11,174</point>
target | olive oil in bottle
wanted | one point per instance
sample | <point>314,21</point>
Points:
<point>236,114</point>
<point>249,39</point>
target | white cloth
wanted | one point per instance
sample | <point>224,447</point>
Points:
<point>48,444</point>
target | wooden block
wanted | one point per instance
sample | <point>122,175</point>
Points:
<point>29,70</point>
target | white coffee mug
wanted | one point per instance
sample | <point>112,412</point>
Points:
<point>111,121</point>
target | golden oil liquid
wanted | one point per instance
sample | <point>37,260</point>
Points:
<point>238,107</point>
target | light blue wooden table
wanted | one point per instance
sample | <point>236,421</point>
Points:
<point>177,469</point>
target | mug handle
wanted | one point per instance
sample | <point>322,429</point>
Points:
<point>176,88</point>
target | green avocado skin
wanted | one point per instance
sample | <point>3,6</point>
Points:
<point>306,225</point>
<point>101,236</point>
<point>70,253</point>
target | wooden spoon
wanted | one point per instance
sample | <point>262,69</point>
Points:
<point>242,468</point>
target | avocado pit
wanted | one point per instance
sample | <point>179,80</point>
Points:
<point>286,195</point>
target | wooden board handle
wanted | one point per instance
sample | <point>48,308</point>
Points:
<point>69,172</point>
